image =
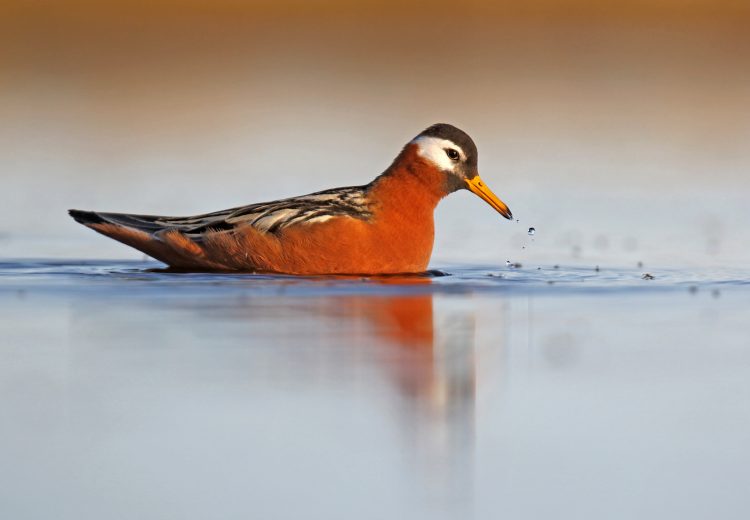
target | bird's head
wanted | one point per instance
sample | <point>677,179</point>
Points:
<point>452,152</point>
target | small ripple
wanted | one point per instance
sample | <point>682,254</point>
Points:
<point>122,277</point>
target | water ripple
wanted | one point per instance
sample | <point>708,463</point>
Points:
<point>127,276</point>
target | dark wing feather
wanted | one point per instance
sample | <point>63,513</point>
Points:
<point>270,217</point>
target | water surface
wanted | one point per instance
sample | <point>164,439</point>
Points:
<point>482,393</point>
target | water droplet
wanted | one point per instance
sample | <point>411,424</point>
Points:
<point>523,247</point>
<point>715,293</point>
<point>532,231</point>
<point>640,264</point>
<point>693,289</point>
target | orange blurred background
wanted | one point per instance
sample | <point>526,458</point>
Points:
<point>619,130</point>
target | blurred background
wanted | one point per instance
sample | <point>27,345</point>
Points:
<point>619,130</point>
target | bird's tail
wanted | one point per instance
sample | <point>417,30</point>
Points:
<point>146,234</point>
<point>85,217</point>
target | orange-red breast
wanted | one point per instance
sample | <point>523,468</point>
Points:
<point>383,227</point>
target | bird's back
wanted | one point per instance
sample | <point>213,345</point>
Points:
<point>269,217</point>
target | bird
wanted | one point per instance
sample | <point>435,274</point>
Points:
<point>384,227</point>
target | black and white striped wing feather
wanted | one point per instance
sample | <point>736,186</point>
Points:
<point>268,217</point>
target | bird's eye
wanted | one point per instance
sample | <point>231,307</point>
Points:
<point>452,154</point>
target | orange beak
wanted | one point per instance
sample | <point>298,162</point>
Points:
<point>478,187</point>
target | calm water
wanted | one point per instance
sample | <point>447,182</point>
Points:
<point>486,392</point>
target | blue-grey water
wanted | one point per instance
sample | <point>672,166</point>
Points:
<point>475,392</point>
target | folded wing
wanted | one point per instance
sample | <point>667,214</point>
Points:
<point>267,217</point>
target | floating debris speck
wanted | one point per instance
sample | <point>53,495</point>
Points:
<point>507,263</point>
<point>532,231</point>
<point>647,276</point>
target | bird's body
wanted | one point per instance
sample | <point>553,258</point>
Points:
<point>383,227</point>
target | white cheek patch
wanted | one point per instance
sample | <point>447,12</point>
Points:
<point>433,149</point>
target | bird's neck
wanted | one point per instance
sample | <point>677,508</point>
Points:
<point>409,184</point>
